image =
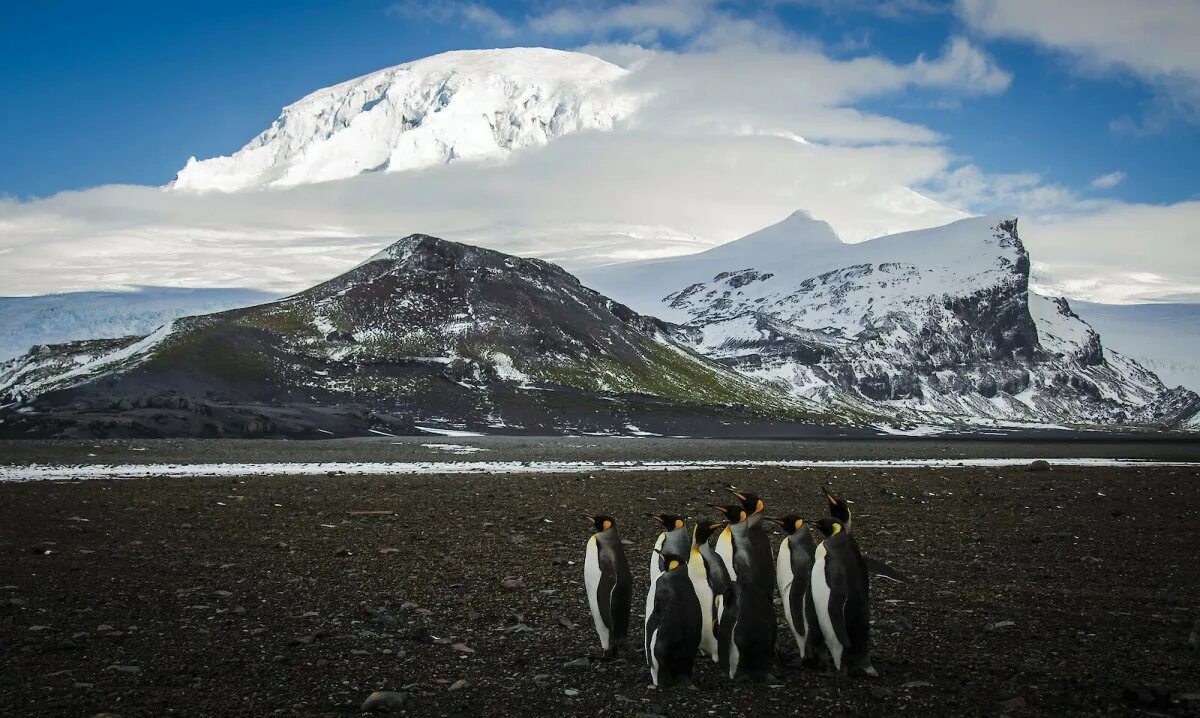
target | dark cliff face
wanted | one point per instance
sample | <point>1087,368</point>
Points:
<point>426,331</point>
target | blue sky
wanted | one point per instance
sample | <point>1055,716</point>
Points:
<point>125,92</point>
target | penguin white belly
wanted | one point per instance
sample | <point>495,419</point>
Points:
<point>591,579</point>
<point>725,551</point>
<point>784,578</point>
<point>699,577</point>
<point>802,635</point>
<point>820,592</point>
<point>653,656</point>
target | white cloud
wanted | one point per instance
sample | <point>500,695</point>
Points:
<point>892,9</point>
<point>1024,193</point>
<point>644,19</point>
<point>1108,181</point>
<point>466,14</point>
<point>1153,40</point>
<point>1120,253</point>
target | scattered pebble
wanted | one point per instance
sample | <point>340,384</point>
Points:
<point>1013,704</point>
<point>384,702</point>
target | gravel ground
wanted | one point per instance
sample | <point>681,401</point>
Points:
<point>1066,592</point>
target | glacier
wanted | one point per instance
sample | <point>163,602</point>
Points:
<point>56,318</point>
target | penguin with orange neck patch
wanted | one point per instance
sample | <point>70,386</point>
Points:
<point>674,538</point>
<point>609,583</point>
<point>841,587</point>
<point>793,575</point>
<point>752,546</point>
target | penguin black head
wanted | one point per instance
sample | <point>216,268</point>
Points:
<point>790,523</point>
<point>750,502</point>
<point>838,508</point>
<point>601,522</point>
<point>734,512</point>
<point>701,532</point>
<point>830,526</point>
<point>669,522</point>
<point>672,561</point>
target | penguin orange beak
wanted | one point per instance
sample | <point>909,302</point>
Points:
<point>778,519</point>
<point>589,518</point>
<point>719,508</point>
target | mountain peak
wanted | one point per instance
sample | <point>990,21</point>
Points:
<point>456,106</point>
<point>797,232</point>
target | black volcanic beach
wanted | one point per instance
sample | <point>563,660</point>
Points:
<point>1069,591</point>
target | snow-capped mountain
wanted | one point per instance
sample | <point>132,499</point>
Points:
<point>57,318</point>
<point>934,326</point>
<point>427,333</point>
<point>463,105</point>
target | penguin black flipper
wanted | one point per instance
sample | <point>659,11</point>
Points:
<point>621,599</point>
<point>653,622</point>
<point>875,567</point>
<point>725,624</point>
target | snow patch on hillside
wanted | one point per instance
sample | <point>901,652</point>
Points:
<point>34,373</point>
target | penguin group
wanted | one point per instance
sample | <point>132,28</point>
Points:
<point>716,598</point>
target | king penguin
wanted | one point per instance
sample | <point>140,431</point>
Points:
<point>718,576</point>
<point>698,571</point>
<point>841,596</point>
<point>751,545</point>
<point>726,548</point>
<point>839,508</point>
<point>675,539</point>
<point>793,575</point>
<point>746,631</point>
<point>609,583</point>
<point>673,628</point>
